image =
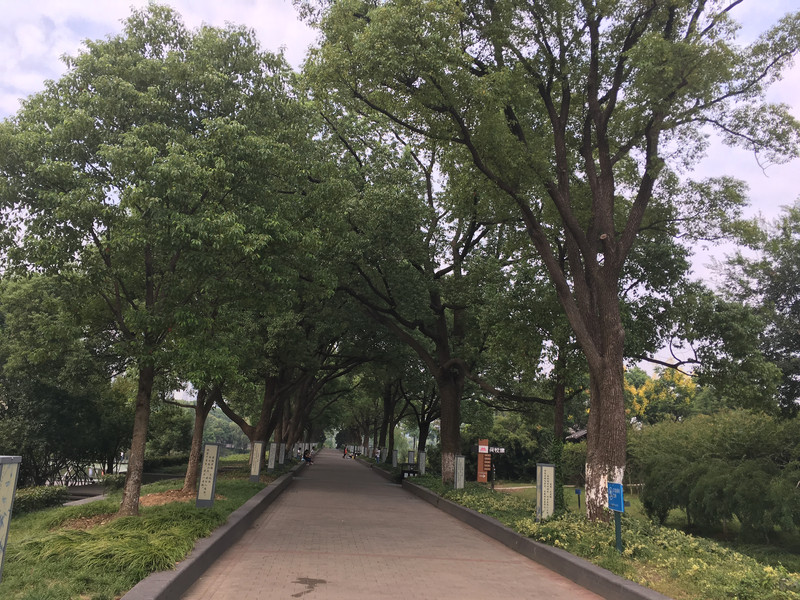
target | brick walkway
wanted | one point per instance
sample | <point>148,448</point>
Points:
<point>342,532</point>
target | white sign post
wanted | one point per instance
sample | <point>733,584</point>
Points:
<point>282,455</point>
<point>545,491</point>
<point>273,454</point>
<point>9,472</point>
<point>458,482</point>
<point>255,464</point>
<point>207,485</point>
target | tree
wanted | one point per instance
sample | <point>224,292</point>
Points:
<point>58,406</point>
<point>572,111</point>
<point>770,283</point>
<point>668,396</point>
<point>151,163</point>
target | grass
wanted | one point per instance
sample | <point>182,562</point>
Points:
<point>46,560</point>
<point>783,552</point>
<point>666,559</point>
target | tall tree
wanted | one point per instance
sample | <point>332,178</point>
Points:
<point>572,110</point>
<point>146,166</point>
<point>770,283</point>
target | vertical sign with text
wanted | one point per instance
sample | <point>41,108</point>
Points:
<point>255,463</point>
<point>207,485</point>
<point>484,461</point>
<point>282,455</point>
<point>273,454</point>
<point>545,491</point>
<point>458,480</point>
<point>9,471</point>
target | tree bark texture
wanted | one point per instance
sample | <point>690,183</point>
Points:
<point>205,402</point>
<point>141,420</point>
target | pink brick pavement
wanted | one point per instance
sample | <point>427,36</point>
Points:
<point>342,532</point>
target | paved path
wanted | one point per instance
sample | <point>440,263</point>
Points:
<point>341,531</point>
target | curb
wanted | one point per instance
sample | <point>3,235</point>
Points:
<point>168,585</point>
<point>595,579</point>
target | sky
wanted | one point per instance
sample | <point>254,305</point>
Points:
<point>35,34</point>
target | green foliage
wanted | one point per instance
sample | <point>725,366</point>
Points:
<point>170,431</point>
<point>723,333</point>
<point>573,458</point>
<point>730,465</point>
<point>156,463</point>
<point>39,497</point>
<point>770,283</point>
<point>113,482</point>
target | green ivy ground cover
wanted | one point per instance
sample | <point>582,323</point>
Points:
<point>667,560</point>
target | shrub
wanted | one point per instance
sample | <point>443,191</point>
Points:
<point>155,463</point>
<point>733,465</point>
<point>113,482</point>
<point>36,498</point>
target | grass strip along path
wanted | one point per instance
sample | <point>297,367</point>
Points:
<point>84,552</point>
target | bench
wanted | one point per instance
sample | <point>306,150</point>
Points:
<point>408,470</point>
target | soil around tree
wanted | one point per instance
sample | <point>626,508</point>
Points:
<point>157,499</point>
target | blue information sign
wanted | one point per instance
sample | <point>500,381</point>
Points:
<point>615,500</point>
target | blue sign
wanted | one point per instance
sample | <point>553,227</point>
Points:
<point>615,499</point>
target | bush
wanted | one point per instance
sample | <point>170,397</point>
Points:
<point>36,498</point>
<point>113,482</point>
<point>734,465</point>
<point>156,463</point>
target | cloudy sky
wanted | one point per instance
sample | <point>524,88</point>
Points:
<point>34,34</point>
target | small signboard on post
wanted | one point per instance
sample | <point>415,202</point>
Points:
<point>422,463</point>
<point>9,472</point>
<point>616,502</point>
<point>207,485</point>
<point>545,491</point>
<point>255,463</point>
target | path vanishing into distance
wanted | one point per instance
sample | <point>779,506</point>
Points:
<point>341,531</point>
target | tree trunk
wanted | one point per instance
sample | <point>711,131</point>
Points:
<point>424,430</point>
<point>607,430</point>
<point>141,420</point>
<point>204,404</point>
<point>450,389</point>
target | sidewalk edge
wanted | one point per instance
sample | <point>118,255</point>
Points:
<point>168,585</point>
<point>589,576</point>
